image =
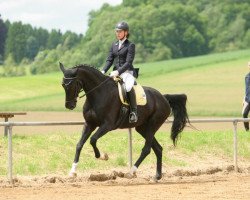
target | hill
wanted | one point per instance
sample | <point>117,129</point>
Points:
<point>214,85</point>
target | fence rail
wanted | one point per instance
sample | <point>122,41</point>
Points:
<point>10,125</point>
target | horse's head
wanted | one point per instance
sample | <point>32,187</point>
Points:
<point>71,85</point>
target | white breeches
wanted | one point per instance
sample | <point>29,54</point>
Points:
<point>245,104</point>
<point>128,79</point>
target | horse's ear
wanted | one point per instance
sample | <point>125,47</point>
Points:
<point>62,67</point>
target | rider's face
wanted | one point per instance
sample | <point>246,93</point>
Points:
<point>120,34</point>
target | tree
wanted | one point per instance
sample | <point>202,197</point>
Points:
<point>16,41</point>
<point>32,47</point>
<point>70,39</point>
<point>3,35</point>
<point>133,3</point>
<point>160,52</point>
<point>55,38</point>
<point>41,36</point>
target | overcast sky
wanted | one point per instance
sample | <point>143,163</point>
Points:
<point>59,14</point>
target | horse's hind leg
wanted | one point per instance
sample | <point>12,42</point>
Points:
<point>148,133</point>
<point>85,135</point>
<point>157,148</point>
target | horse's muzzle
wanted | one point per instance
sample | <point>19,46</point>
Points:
<point>70,105</point>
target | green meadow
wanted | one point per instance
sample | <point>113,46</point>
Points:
<point>54,153</point>
<point>213,83</point>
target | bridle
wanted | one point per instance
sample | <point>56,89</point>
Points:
<point>79,87</point>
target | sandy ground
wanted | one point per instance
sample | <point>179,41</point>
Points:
<point>213,183</point>
<point>202,183</point>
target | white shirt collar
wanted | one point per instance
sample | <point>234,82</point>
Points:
<point>122,41</point>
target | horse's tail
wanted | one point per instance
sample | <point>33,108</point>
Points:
<point>179,110</point>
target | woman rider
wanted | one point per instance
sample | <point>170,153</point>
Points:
<point>246,100</point>
<point>122,53</point>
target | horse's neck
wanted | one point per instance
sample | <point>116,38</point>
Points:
<point>90,80</point>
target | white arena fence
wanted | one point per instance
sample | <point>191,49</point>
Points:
<point>10,125</point>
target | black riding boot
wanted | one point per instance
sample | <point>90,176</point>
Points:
<point>245,111</point>
<point>246,125</point>
<point>133,107</point>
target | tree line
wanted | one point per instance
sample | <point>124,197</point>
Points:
<point>20,43</point>
<point>161,29</point>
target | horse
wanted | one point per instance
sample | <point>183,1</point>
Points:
<point>102,109</point>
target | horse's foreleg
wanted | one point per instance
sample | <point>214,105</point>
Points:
<point>85,135</point>
<point>93,140</point>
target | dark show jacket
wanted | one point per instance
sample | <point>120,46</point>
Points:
<point>247,85</point>
<point>122,58</point>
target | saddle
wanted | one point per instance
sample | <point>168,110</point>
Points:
<point>141,99</point>
<point>124,110</point>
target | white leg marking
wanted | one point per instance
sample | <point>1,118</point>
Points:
<point>72,172</point>
<point>133,170</point>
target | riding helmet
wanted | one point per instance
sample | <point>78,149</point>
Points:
<point>122,26</point>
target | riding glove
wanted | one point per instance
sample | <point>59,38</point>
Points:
<point>114,73</point>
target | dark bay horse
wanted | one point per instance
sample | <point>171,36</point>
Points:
<point>102,110</point>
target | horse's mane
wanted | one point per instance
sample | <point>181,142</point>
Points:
<point>91,67</point>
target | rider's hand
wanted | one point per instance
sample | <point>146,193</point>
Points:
<point>103,71</point>
<point>114,73</point>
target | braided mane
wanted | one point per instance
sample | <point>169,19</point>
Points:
<point>85,65</point>
<point>89,68</point>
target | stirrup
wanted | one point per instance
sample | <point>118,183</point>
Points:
<point>133,117</point>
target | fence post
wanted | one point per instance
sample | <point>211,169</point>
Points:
<point>5,128</point>
<point>130,146</point>
<point>235,147</point>
<point>9,128</point>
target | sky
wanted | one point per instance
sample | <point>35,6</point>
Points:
<point>58,14</point>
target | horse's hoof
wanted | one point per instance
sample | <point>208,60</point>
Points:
<point>154,179</point>
<point>72,174</point>
<point>157,177</point>
<point>104,156</point>
<point>129,175</point>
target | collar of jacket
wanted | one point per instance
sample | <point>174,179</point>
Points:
<point>123,44</point>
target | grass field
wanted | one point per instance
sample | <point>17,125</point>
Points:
<point>214,85</point>
<point>54,153</point>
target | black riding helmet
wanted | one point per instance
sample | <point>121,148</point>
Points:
<point>122,26</point>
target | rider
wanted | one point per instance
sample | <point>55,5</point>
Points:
<point>122,53</point>
<point>246,99</point>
